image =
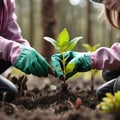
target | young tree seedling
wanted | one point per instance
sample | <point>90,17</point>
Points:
<point>62,45</point>
<point>90,48</point>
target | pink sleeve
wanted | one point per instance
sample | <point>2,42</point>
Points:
<point>11,30</point>
<point>10,34</point>
<point>9,50</point>
<point>106,58</point>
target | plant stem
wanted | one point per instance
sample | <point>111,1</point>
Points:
<point>92,79</point>
<point>63,62</point>
<point>92,82</point>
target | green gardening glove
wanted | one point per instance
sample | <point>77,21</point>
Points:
<point>81,61</point>
<point>31,62</point>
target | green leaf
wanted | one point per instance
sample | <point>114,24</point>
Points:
<point>91,48</point>
<point>110,103</point>
<point>63,39</point>
<point>69,68</point>
<point>73,43</point>
<point>109,95</point>
<point>51,40</point>
<point>117,97</point>
<point>87,46</point>
<point>95,47</point>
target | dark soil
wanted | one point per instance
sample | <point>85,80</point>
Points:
<point>53,103</point>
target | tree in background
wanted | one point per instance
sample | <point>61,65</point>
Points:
<point>31,22</point>
<point>49,25</point>
<point>89,23</point>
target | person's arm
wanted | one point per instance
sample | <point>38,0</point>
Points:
<point>102,59</point>
<point>15,49</point>
<point>11,29</point>
<point>106,58</point>
<point>10,34</point>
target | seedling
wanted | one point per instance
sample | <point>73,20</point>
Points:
<point>62,45</point>
<point>110,103</point>
<point>90,48</point>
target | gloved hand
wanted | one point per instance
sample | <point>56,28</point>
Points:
<point>31,62</point>
<point>82,63</point>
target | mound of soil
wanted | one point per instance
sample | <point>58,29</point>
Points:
<point>52,103</point>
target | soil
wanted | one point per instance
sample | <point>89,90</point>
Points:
<point>48,101</point>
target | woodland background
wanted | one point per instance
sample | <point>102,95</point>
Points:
<point>39,18</point>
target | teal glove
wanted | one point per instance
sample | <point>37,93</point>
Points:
<point>31,62</point>
<point>82,63</point>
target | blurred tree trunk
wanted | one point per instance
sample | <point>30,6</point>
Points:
<point>31,22</point>
<point>110,37</point>
<point>49,23</point>
<point>89,23</point>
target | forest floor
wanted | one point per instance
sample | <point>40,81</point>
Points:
<point>43,99</point>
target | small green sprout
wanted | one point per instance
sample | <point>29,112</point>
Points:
<point>90,48</point>
<point>63,42</point>
<point>110,103</point>
<point>62,45</point>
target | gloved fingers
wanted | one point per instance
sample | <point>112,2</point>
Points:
<point>58,73</point>
<point>40,66</point>
<point>76,67</point>
<point>82,63</point>
<point>35,70</point>
<point>69,55</point>
<point>57,56</point>
<point>56,64</point>
<point>51,71</point>
<point>45,67</point>
<point>44,70</point>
